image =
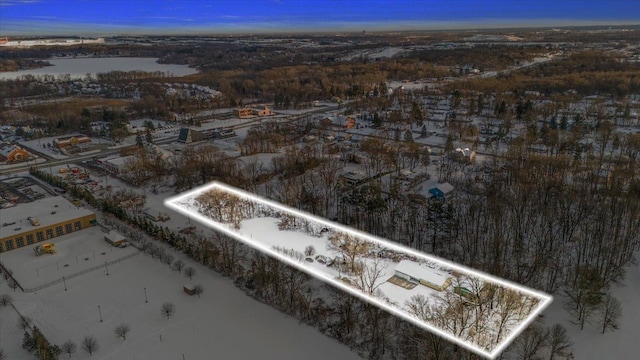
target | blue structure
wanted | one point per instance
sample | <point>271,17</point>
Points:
<point>442,191</point>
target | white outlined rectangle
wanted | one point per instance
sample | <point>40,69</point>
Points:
<point>180,203</point>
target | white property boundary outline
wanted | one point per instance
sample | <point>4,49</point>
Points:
<point>545,299</point>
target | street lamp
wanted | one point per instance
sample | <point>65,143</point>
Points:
<point>100,312</point>
<point>145,295</point>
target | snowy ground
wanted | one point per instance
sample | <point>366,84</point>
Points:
<point>20,164</point>
<point>590,343</point>
<point>75,252</point>
<point>223,323</point>
<point>374,53</point>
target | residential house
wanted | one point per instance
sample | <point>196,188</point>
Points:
<point>442,191</point>
<point>423,275</point>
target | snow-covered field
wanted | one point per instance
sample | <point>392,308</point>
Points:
<point>264,233</point>
<point>75,252</point>
<point>590,343</point>
<point>223,323</point>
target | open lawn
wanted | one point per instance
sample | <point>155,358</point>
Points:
<point>223,323</point>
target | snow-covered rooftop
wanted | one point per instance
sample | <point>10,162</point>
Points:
<point>48,211</point>
<point>416,270</point>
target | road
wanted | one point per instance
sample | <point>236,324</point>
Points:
<point>80,158</point>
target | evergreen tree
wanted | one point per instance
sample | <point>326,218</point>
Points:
<point>28,342</point>
<point>139,140</point>
<point>149,136</point>
<point>423,131</point>
<point>377,122</point>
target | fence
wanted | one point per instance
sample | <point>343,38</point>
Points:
<point>74,275</point>
<point>6,273</point>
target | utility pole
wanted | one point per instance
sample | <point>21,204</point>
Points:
<point>145,295</point>
<point>100,312</point>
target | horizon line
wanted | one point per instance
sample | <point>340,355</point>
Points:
<point>106,30</point>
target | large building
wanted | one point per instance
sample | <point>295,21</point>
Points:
<point>11,153</point>
<point>40,220</point>
<point>243,113</point>
<point>69,141</point>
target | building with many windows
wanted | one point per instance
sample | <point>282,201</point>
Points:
<point>40,220</point>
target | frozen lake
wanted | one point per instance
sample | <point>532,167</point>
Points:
<point>80,67</point>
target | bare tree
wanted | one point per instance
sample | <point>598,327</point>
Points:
<point>168,259</point>
<point>309,250</point>
<point>610,313</point>
<point>190,272</point>
<point>558,342</point>
<point>90,344</point>
<point>178,265</point>
<point>12,284</point>
<point>3,356</point>
<point>198,290</point>
<point>531,341</point>
<point>368,278</point>
<point>168,309</point>
<point>5,300</point>
<point>122,330</point>
<point>349,247</point>
<point>24,323</point>
<point>69,347</point>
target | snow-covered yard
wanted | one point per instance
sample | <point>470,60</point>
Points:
<point>590,343</point>
<point>264,225</point>
<point>223,323</point>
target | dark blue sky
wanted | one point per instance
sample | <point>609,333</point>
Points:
<point>116,16</point>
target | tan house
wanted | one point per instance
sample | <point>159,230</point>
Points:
<point>12,153</point>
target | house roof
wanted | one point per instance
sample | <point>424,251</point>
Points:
<point>416,270</point>
<point>445,188</point>
<point>6,150</point>
<point>114,236</point>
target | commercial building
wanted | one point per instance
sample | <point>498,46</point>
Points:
<point>40,220</point>
<point>11,153</point>
<point>243,113</point>
<point>264,111</point>
<point>65,142</point>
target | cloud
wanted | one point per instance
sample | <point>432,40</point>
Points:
<point>17,2</point>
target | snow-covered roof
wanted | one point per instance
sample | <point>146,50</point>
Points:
<point>120,161</point>
<point>45,210</point>
<point>114,236</point>
<point>416,270</point>
<point>6,150</point>
<point>445,188</point>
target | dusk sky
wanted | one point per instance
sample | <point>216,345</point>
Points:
<point>80,17</point>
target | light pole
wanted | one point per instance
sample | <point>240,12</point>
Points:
<point>100,312</point>
<point>65,283</point>
<point>145,295</point>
